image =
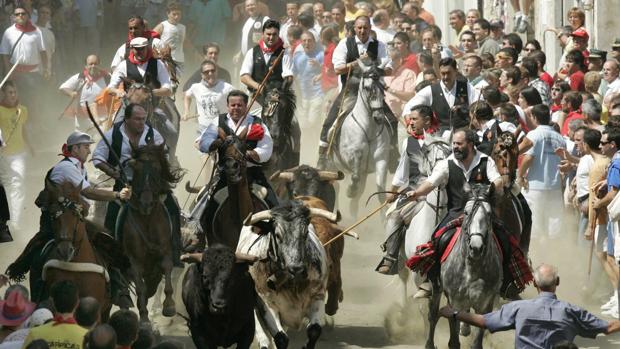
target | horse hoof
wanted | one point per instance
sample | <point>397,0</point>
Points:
<point>169,311</point>
<point>331,308</point>
<point>281,340</point>
<point>351,191</point>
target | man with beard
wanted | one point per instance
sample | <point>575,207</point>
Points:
<point>86,86</point>
<point>466,165</point>
<point>137,29</point>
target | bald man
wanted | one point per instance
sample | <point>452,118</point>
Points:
<point>85,86</point>
<point>555,321</point>
<point>101,337</point>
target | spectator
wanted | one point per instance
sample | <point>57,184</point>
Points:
<point>381,26</point>
<point>318,9</point>
<point>538,174</point>
<point>307,64</point>
<point>472,68</point>
<point>506,57</point>
<point>210,52</point>
<point>352,12</point>
<point>16,339</point>
<point>14,310</point>
<point>63,331</point>
<point>541,59</point>
<point>457,22</point>
<point>338,16</point>
<point>88,312</point>
<point>172,33</point>
<point>425,62</point>
<point>472,16</point>
<point>425,15</point>
<point>611,75</point>
<point>571,106</point>
<point>101,337</point>
<point>292,18</point>
<point>510,82</point>
<point>38,344</point>
<point>555,321</point>
<point>145,338</point>
<point>482,30</point>
<point>529,72</point>
<point>574,67</point>
<point>412,12</point>
<point>252,30</point>
<point>592,83</point>
<point>400,86</point>
<point>557,93</point>
<point>408,59</point>
<point>531,46</point>
<point>596,59</point>
<point>125,324</point>
<point>513,40</point>
<point>329,79</point>
<point>207,22</point>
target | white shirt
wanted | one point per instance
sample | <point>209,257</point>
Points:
<point>582,176</point>
<point>401,176</point>
<point>121,72</point>
<point>70,171</point>
<point>441,170</point>
<point>425,96</point>
<point>173,35</point>
<point>339,58</point>
<point>248,63</point>
<point>101,150</point>
<point>49,41</point>
<point>384,35</point>
<point>89,92</point>
<point>504,126</point>
<point>247,26</point>
<point>284,31</point>
<point>612,88</point>
<point>28,49</point>
<point>119,56</point>
<point>210,101</point>
<point>264,147</point>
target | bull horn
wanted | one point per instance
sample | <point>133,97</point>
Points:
<point>191,258</point>
<point>190,189</point>
<point>257,217</point>
<point>331,175</point>
<point>350,233</point>
<point>330,216</point>
<point>274,176</point>
<point>245,258</point>
<point>286,175</point>
<point>292,169</point>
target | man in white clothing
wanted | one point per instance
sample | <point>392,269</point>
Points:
<point>87,84</point>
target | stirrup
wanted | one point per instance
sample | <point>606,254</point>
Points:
<point>387,266</point>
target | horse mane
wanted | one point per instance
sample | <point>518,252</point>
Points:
<point>171,175</point>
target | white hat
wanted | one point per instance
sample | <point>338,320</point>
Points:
<point>40,317</point>
<point>139,42</point>
<point>77,137</point>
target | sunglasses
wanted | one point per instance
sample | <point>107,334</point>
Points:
<point>20,14</point>
<point>208,71</point>
<point>556,89</point>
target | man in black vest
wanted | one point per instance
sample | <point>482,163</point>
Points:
<point>256,65</point>
<point>407,175</point>
<point>259,149</point>
<point>141,67</point>
<point>465,165</point>
<point>444,95</point>
<point>345,57</point>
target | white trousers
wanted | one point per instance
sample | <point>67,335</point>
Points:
<point>12,171</point>
<point>547,207</point>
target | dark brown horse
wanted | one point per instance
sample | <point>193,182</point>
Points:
<point>232,209</point>
<point>147,229</point>
<point>74,257</point>
<point>512,209</point>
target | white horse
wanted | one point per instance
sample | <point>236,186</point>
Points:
<point>363,145</point>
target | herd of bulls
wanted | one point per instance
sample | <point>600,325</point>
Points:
<point>283,274</point>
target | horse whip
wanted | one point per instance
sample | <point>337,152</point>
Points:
<point>339,116</point>
<point>196,180</point>
<point>259,90</point>
<point>107,143</point>
<point>356,224</point>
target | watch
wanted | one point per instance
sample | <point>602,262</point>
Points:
<point>454,314</point>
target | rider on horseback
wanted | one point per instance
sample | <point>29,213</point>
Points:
<point>345,60</point>
<point>256,65</point>
<point>408,175</point>
<point>69,169</point>
<point>132,132</point>
<point>466,165</point>
<point>259,148</point>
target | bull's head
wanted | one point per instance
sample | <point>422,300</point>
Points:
<point>304,180</point>
<point>217,274</point>
<point>290,222</point>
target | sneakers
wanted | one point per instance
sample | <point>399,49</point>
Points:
<point>521,23</point>
<point>613,312</point>
<point>612,303</point>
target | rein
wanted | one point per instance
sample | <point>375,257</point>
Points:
<point>67,204</point>
<point>478,201</point>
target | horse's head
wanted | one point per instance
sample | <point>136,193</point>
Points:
<point>232,156</point>
<point>138,93</point>
<point>216,269</point>
<point>477,222</point>
<point>373,88</point>
<point>505,154</point>
<point>290,229</point>
<point>278,113</point>
<point>152,178</point>
<point>435,149</point>
<point>67,211</point>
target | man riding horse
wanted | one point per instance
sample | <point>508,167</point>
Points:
<point>346,54</point>
<point>407,175</point>
<point>256,65</point>
<point>70,169</point>
<point>259,148</point>
<point>467,165</point>
<point>125,136</point>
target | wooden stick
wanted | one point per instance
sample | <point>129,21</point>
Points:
<point>356,224</point>
<point>8,75</point>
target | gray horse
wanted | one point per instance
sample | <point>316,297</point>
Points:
<point>471,275</point>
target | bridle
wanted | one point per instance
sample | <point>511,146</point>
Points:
<point>65,204</point>
<point>479,200</point>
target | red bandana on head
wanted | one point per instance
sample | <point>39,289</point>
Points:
<point>26,28</point>
<point>66,153</point>
<point>272,49</point>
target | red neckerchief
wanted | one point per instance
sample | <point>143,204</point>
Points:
<point>133,59</point>
<point>66,153</point>
<point>272,49</point>
<point>60,320</point>
<point>555,107</point>
<point>26,28</point>
<point>90,79</point>
<point>149,34</point>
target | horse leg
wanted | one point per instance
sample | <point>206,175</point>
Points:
<point>334,290</point>
<point>356,164</point>
<point>465,329</point>
<point>485,309</point>
<point>314,328</point>
<point>169,308</point>
<point>381,176</point>
<point>403,276</point>
<point>141,298</point>
<point>454,342</point>
<point>433,316</point>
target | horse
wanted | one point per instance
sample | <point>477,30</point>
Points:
<point>512,209</point>
<point>73,257</point>
<point>429,211</point>
<point>362,145</point>
<point>147,228</point>
<point>471,275</point>
<point>236,201</point>
<point>278,115</point>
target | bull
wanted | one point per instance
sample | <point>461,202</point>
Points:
<point>298,262</point>
<point>219,295</point>
<point>304,180</point>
